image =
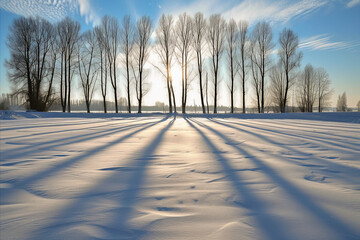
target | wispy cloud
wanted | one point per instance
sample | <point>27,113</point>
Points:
<point>323,42</point>
<point>273,11</point>
<point>50,9</point>
<point>87,11</point>
<point>207,7</point>
<point>352,3</point>
<point>253,10</point>
<point>53,10</point>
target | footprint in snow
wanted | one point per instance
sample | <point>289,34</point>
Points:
<point>316,178</point>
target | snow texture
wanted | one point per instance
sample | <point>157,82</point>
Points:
<point>161,176</point>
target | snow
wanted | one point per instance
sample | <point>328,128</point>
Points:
<point>160,176</point>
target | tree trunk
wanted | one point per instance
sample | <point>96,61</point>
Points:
<point>104,102</point>
<point>286,93</point>
<point>87,106</point>
<point>262,94</point>
<point>207,95</point>
<point>243,95</point>
<point>215,93</point>
<point>201,93</point>
<point>140,92</point>
<point>169,93</point>
<point>128,83</point>
<point>69,85</point>
<point>115,98</point>
<point>173,96</point>
<point>199,60</point>
<point>258,102</point>
<point>115,87</point>
<point>232,91</point>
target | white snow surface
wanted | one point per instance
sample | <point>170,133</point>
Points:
<point>158,176</point>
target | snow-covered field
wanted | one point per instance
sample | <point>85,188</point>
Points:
<point>96,176</point>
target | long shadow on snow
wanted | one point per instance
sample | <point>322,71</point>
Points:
<point>329,125</point>
<point>122,215</point>
<point>27,181</point>
<point>48,125</point>
<point>303,129</point>
<point>317,140</point>
<point>103,124</point>
<point>350,117</point>
<point>32,123</point>
<point>23,151</point>
<point>334,225</point>
<point>118,225</point>
<point>349,170</point>
<point>269,224</point>
<point>304,136</point>
<point>312,138</point>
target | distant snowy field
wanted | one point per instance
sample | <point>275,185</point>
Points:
<point>156,176</point>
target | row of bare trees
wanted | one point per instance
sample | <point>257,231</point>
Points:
<point>41,52</point>
<point>313,87</point>
<point>133,43</point>
<point>32,61</point>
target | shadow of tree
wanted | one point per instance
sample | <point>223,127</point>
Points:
<point>123,199</point>
<point>270,226</point>
<point>27,181</point>
<point>334,225</point>
<point>298,136</point>
<point>308,128</point>
<point>25,150</point>
<point>46,125</point>
<point>98,125</point>
<point>353,172</point>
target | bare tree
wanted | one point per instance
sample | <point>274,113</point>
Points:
<point>341,105</point>
<point>232,39</point>
<point>141,54</point>
<point>323,87</point>
<point>256,76</point>
<point>262,45</point>
<point>127,36</point>
<point>277,86</point>
<point>243,38</point>
<point>207,93</point>
<point>184,35</point>
<point>87,65</point>
<point>199,43</point>
<point>173,93</point>
<point>111,29</point>
<point>68,31</point>
<point>165,47</point>
<point>63,65</point>
<point>33,56</point>
<point>216,38</point>
<point>290,58</point>
<point>307,89</point>
<point>100,38</point>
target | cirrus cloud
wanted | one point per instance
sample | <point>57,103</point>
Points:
<point>52,10</point>
<point>352,3</point>
<point>324,42</point>
<point>252,10</point>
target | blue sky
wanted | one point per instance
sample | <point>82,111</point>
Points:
<point>328,30</point>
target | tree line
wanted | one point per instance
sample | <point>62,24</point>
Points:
<point>46,58</point>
